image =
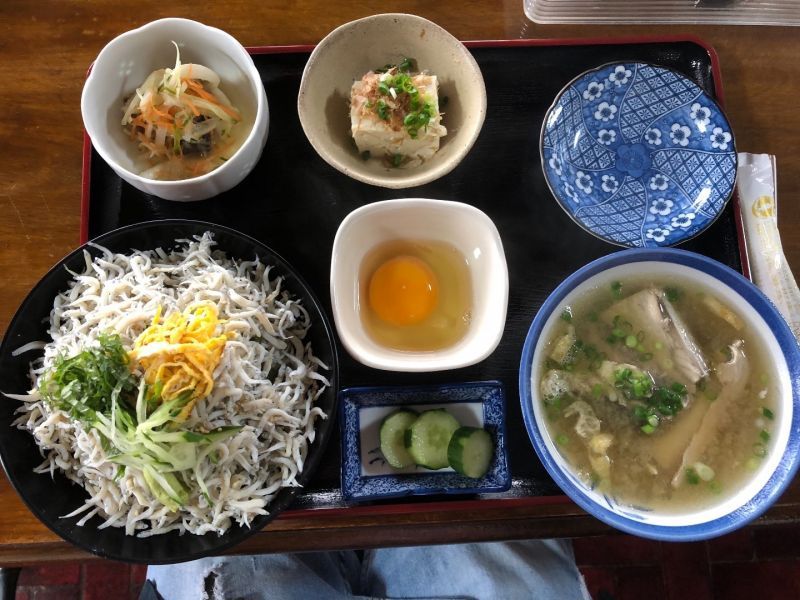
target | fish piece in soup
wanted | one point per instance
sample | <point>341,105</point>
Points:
<point>733,375</point>
<point>649,312</point>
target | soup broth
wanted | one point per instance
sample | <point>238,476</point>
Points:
<point>658,394</point>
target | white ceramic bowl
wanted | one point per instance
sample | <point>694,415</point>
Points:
<point>470,230</point>
<point>125,63</point>
<point>355,48</point>
<point>769,330</point>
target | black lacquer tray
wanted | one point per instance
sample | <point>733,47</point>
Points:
<point>293,201</point>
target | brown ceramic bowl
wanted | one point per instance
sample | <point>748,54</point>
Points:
<point>353,49</point>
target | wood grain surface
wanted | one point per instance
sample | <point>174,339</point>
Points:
<point>46,47</point>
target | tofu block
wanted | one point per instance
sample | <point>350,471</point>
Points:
<point>386,138</point>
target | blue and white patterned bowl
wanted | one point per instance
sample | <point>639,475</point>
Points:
<point>777,469</point>
<point>367,476</point>
<point>638,155</point>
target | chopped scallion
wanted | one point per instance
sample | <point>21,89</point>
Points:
<point>704,472</point>
<point>692,477</point>
<point>383,110</point>
<point>752,463</point>
<point>407,64</point>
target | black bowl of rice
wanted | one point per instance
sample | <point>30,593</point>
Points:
<point>104,476</point>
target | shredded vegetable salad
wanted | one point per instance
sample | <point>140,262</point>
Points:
<point>182,121</point>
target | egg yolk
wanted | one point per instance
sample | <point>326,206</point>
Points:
<point>403,291</point>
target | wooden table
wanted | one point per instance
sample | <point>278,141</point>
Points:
<point>45,49</point>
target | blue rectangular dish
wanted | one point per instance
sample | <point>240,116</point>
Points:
<point>367,476</point>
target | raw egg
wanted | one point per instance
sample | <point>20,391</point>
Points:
<point>415,294</point>
<point>403,291</point>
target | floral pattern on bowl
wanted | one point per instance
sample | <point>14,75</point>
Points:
<point>367,476</point>
<point>638,155</point>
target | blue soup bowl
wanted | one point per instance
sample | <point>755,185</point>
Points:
<point>638,155</point>
<point>769,330</point>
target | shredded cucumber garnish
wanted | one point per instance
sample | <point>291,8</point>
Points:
<point>97,388</point>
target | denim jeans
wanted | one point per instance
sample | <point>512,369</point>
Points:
<point>538,569</point>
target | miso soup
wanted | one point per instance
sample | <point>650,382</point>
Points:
<point>658,394</point>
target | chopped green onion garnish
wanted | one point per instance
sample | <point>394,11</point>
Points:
<point>759,450</point>
<point>768,413</point>
<point>382,110</point>
<point>407,64</point>
<point>704,472</point>
<point>566,316</point>
<point>673,294</point>
<point>616,289</point>
<point>630,341</point>
<point>692,477</point>
<point>764,435</point>
<point>648,429</point>
<point>597,390</point>
<point>562,439</point>
<point>752,463</point>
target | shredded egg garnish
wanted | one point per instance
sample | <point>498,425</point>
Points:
<point>181,352</point>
